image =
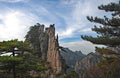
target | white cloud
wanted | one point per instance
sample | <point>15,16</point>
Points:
<point>84,46</point>
<point>12,1</point>
<point>86,30</point>
<point>14,25</point>
<point>66,34</point>
<point>76,21</point>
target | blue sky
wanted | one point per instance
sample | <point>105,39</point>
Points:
<point>69,17</point>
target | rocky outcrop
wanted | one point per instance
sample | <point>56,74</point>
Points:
<point>88,61</point>
<point>53,55</point>
<point>70,57</point>
<point>43,45</point>
<point>46,46</point>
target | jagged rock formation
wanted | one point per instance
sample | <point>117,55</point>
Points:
<point>53,55</point>
<point>71,57</point>
<point>46,46</point>
<point>88,61</point>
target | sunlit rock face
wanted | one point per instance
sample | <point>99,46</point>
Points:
<point>46,46</point>
<point>53,54</point>
<point>88,61</point>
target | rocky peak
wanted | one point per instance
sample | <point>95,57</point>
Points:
<point>79,53</point>
<point>53,55</point>
<point>84,64</point>
<point>47,46</point>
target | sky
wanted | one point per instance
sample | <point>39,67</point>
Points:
<point>69,17</point>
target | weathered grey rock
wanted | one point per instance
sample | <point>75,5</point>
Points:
<point>84,64</point>
<point>43,39</point>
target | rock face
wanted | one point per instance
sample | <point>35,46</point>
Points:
<point>43,42</point>
<point>46,46</point>
<point>71,57</point>
<point>53,54</point>
<point>88,61</point>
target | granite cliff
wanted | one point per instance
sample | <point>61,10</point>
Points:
<point>46,46</point>
<point>53,54</point>
<point>86,63</point>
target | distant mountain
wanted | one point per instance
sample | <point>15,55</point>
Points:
<point>70,56</point>
<point>85,63</point>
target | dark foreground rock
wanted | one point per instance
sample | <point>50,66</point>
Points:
<point>88,61</point>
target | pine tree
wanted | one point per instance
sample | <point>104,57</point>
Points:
<point>109,35</point>
<point>11,64</point>
<point>109,31</point>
